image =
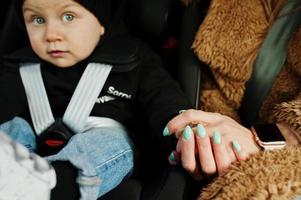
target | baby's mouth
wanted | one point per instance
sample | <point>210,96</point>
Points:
<point>57,53</point>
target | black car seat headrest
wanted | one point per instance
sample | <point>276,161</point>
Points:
<point>149,17</point>
<point>12,37</point>
<point>3,12</point>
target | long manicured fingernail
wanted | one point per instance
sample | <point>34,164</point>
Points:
<point>187,133</point>
<point>200,131</point>
<point>236,146</point>
<point>172,159</point>
<point>166,131</point>
<point>217,137</point>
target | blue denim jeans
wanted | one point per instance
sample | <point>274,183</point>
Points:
<point>104,156</point>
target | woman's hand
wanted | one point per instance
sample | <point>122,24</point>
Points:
<point>212,145</point>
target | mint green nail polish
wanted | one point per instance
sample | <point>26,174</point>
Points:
<point>172,157</point>
<point>217,137</point>
<point>166,131</point>
<point>200,131</point>
<point>187,133</point>
<point>236,146</point>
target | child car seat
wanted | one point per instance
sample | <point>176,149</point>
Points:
<point>148,19</point>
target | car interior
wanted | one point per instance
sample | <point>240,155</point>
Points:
<point>168,27</point>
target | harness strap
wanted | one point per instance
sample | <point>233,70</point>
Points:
<point>85,95</point>
<point>38,103</point>
<point>82,101</point>
<point>94,122</point>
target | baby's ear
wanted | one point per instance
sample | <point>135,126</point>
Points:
<point>102,30</point>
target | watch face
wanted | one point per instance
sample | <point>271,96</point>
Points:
<point>268,132</point>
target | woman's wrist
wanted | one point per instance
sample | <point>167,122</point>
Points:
<point>289,134</point>
<point>254,145</point>
<point>268,136</point>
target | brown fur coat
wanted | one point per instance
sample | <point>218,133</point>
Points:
<point>228,37</point>
<point>230,33</point>
<point>274,175</point>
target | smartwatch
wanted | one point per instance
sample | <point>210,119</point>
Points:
<point>268,136</point>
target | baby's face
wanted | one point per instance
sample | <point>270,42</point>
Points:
<point>61,32</point>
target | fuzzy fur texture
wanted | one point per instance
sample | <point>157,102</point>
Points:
<point>274,175</point>
<point>231,32</point>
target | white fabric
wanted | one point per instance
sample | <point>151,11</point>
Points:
<point>20,178</point>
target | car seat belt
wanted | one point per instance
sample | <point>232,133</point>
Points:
<point>80,105</point>
<point>269,61</point>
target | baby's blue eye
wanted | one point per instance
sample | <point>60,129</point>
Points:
<point>68,17</point>
<point>39,20</point>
